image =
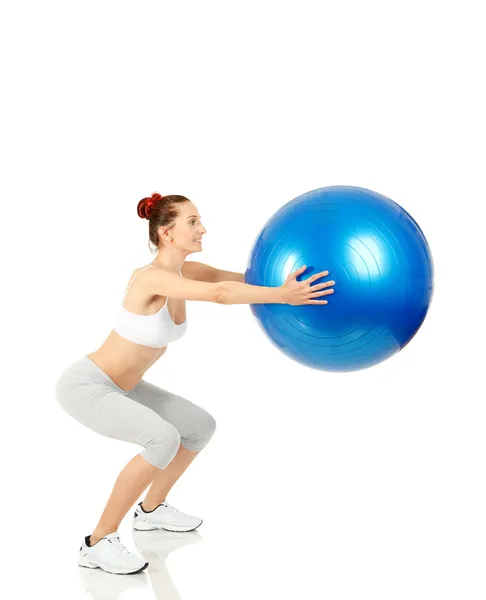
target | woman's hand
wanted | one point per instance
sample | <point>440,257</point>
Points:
<point>301,292</point>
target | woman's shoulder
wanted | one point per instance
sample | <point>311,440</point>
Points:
<point>135,274</point>
<point>143,268</point>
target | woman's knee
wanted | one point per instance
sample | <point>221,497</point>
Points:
<point>203,426</point>
<point>161,448</point>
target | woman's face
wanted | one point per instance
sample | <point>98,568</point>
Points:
<point>188,228</point>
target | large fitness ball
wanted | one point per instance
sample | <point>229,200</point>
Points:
<point>378,257</point>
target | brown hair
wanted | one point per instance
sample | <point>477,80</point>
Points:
<point>160,212</point>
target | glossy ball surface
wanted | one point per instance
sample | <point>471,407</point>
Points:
<point>381,263</point>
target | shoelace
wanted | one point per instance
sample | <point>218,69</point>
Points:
<point>118,545</point>
<point>172,508</point>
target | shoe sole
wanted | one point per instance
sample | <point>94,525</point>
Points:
<point>149,527</point>
<point>83,562</point>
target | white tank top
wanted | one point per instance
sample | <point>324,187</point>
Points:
<point>155,331</point>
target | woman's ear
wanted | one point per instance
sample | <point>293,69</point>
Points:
<point>164,234</point>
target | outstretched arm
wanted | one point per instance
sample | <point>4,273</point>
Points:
<point>202,272</point>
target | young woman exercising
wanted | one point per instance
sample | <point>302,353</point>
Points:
<point>106,392</point>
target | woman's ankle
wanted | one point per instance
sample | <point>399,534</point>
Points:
<point>97,536</point>
<point>150,506</point>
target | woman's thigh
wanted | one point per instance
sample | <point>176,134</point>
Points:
<point>191,420</point>
<point>113,414</point>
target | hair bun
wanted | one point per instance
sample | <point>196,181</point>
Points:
<point>145,206</point>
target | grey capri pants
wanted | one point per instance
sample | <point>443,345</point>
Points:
<point>146,415</point>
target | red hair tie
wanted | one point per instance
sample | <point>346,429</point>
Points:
<point>150,203</point>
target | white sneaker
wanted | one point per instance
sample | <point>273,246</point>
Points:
<point>110,555</point>
<point>164,516</point>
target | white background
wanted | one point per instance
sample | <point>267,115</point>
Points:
<point>315,485</point>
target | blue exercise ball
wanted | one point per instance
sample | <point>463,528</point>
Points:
<point>378,257</point>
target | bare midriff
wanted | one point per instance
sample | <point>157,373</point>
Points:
<point>124,361</point>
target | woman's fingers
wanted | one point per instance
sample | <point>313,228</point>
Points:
<point>324,293</point>
<point>295,274</point>
<point>316,276</point>
<point>319,286</point>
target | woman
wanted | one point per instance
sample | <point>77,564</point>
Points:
<point>106,392</point>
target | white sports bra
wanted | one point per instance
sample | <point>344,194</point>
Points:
<point>155,331</point>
